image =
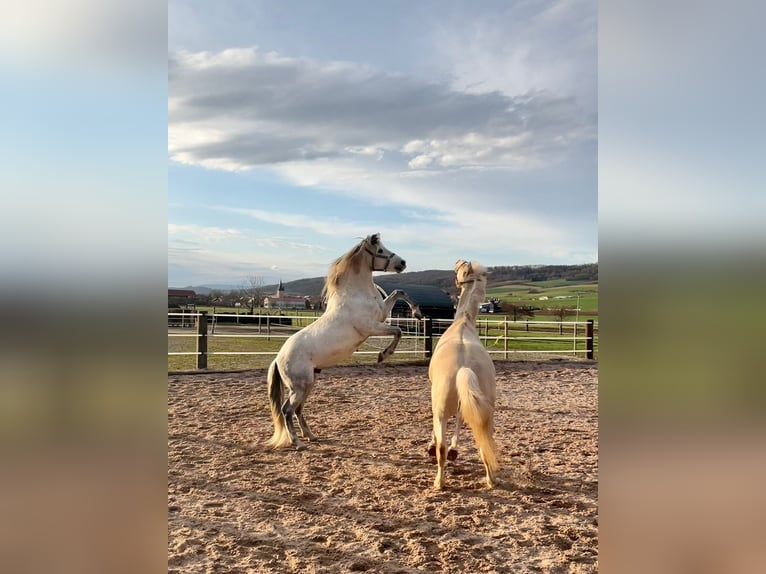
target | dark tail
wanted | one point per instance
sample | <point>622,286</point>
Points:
<point>275,400</point>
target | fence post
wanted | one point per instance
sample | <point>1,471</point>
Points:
<point>202,340</point>
<point>589,340</point>
<point>429,333</point>
<point>574,339</point>
<point>505,337</point>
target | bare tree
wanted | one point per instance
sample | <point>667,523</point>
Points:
<point>252,292</point>
<point>562,312</point>
<point>214,298</point>
<point>520,311</point>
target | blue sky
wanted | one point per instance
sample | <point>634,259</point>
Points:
<point>455,129</point>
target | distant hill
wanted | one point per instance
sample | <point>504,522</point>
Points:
<point>532,273</point>
<point>445,279</point>
<point>206,289</point>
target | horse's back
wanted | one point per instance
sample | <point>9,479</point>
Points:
<point>458,350</point>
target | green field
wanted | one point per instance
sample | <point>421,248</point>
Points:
<point>529,293</point>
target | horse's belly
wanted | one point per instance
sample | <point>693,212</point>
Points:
<point>325,349</point>
<point>329,358</point>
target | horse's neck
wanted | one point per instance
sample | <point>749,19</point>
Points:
<point>360,280</point>
<point>470,316</point>
<point>468,305</point>
<point>356,283</point>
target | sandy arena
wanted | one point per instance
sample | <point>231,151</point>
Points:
<point>361,499</point>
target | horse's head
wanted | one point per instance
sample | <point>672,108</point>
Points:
<point>382,258</point>
<point>471,279</point>
<point>469,272</point>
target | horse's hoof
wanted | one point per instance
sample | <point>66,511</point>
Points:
<point>431,450</point>
<point>380,357</point>
<point>452,454</point>
<point>300,446</point>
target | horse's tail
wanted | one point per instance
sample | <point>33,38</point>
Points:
<point>476,410</point>
<point>275,401</point>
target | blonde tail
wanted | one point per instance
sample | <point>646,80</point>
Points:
<point>477,411</point>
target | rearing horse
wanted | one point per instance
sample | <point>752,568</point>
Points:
<point>355,310</point>
<point>462,377</point>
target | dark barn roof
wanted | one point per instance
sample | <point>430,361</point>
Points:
<point>433,302</point>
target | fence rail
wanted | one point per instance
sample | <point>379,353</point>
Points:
<point>200,335</point>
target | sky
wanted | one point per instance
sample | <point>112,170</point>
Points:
<point>456,130</point>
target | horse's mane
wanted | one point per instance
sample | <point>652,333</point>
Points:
<point>349,261</point>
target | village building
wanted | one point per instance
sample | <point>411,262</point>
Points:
<point>282,301</point>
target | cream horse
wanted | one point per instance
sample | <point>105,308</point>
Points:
<point>462,377</point>
<point>355,310</point>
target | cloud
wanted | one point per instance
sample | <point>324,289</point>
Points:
<point>217,254</point>
<point>547,45</point>
<point>202,233</point>
<point>518,217</point>
<point>325,226</point>
<point>241,108</point>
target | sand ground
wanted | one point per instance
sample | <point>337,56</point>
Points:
<point>361,499</point>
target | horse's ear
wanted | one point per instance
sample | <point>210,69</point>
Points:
<point>375,239</point>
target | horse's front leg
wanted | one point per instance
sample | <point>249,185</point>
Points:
<point>383,329</point>
<point>399,295</point>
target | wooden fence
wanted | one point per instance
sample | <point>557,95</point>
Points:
<point>263,335</point>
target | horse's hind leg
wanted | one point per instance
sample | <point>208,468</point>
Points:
<point>299,409</point>
<point>303,424</point>
<point>487,449</point>
<point>441,450</point>
<point>452,451</point>
<point>289,408</point>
